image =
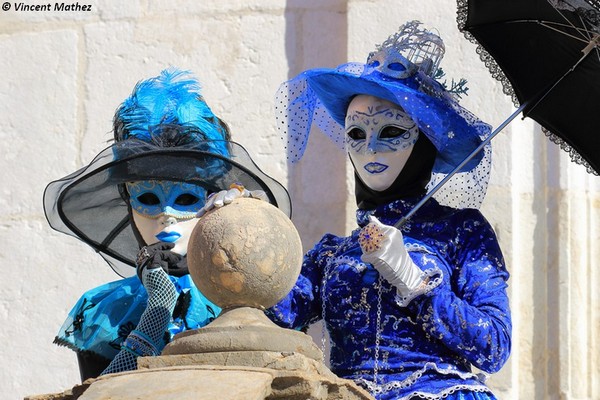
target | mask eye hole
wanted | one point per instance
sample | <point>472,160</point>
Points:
<point>186,199</point>
<point>356,134</point>
<point>396,66</point>
<point>148,199</point>
<point>393,132</point>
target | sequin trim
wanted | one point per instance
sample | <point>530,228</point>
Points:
<point>139,345</point>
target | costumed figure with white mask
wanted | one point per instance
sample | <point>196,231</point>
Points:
<point>409,310</point>
<point>136,205</point>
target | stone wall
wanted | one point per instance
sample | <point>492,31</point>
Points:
<point>64,73</point>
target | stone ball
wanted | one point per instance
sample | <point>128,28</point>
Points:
<point>247,253</point>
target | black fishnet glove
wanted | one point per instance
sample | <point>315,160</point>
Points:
<point>148,338</point>
<point>157,255</point>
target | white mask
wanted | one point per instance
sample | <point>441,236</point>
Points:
<point>165,211</point>
<point>380,137</point>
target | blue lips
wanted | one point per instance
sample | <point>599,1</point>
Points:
<point>375,167</point>
<point>168,237</point>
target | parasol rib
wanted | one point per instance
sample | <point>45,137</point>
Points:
<point>550,25</point>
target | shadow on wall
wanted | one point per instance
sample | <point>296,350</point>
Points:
<point>317,36</point>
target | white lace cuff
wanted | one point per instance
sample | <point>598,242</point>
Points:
<point>432,278</point>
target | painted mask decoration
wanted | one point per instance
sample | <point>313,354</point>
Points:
<point>380,137</point>
<point>165,211</point>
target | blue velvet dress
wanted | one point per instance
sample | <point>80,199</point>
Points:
<point>426,342</point>
<point>104,316</point>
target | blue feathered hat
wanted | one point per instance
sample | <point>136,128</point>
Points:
<point>163,131</point>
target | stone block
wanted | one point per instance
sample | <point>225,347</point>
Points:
<point>45,274</point>
<point>212,7</point>
<point>183,384</point>
<point>38,104</point>
<point>213,382</point>
<point>118,10</point>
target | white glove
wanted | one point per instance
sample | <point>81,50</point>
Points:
<point>219,199</point>
<point>383,247</point>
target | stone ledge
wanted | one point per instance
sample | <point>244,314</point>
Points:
<point>281,361</point>
<point>209,382</point>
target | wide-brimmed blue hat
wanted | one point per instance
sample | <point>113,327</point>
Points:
<point>403,70</point>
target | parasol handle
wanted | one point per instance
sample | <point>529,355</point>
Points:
<point>484,143</point>
<point>594,42</point>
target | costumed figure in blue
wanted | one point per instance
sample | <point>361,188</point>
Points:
<point>136,205</point>
<point>409,310</point>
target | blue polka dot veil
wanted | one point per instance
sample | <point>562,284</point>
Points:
<point>163,131</point>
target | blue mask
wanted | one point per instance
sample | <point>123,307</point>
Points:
<point>153,199</point>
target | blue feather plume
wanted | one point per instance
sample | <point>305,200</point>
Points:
<point>171,99</point>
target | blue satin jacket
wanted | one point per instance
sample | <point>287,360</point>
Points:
<point>422,345</point>
<point>104,316</point>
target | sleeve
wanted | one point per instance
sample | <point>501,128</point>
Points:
<point>302,306</point>
<point>470,312</point>
<point>148,338</point>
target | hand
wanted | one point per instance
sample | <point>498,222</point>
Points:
<point>383,247</point>
<point>157,255</point>
<point>219,199</point>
